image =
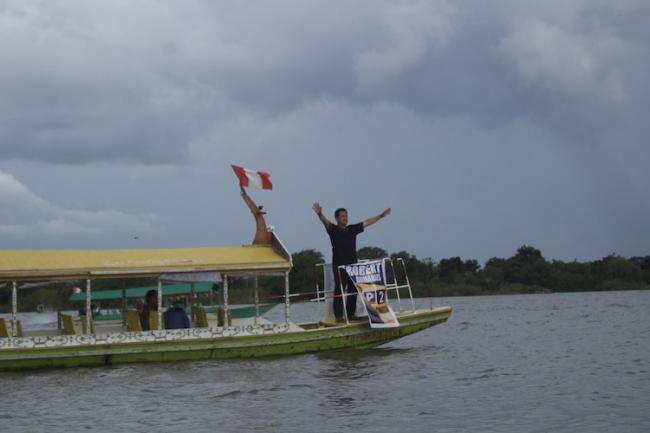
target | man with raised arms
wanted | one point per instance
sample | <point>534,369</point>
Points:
<point>344,252</point>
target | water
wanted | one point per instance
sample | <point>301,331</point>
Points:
<point>536,363</point>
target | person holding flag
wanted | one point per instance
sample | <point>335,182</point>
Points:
<point>343,238</point>
<point>260,179</point>
<point>262,234</point>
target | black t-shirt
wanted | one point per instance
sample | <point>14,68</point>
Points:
<point>344,243</point>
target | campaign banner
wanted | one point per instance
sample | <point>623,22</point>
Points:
<point>370,281</point>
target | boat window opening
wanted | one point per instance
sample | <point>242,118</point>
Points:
<point>24,296</point>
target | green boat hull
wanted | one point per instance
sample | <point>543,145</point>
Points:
<point>313,339</point>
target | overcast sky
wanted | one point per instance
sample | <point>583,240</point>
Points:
<point>484,125</point>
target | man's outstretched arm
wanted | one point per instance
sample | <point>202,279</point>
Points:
<point>319,211</point>
<point>371,221</point>
<point>249,201</point>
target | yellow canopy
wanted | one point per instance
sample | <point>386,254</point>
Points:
<point>25,265</point>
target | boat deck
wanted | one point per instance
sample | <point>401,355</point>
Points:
<point>242,340</point>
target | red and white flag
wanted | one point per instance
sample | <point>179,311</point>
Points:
<point>258,179</point>
<point>76,290</point>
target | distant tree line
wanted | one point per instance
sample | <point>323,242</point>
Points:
<point>527,271</point>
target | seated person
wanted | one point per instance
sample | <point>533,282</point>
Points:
<point>151,306</point>
<point>176,317</point>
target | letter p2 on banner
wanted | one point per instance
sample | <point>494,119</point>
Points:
<point>370,281</point>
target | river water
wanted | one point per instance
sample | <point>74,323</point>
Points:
<point>574,362</point>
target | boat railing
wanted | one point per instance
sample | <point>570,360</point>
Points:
<point>394,284</point>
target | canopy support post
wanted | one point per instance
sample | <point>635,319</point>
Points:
<point>159,304</point>
<point>317,280</point>
<point>123,305</point>
<point>226,308</point>
<point>189,302</point>
<point>287,301</point>
<point>14,309</point>
<point>257,298</point>
<point>89,313</point>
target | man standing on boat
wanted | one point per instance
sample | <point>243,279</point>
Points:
<point>344,252</point>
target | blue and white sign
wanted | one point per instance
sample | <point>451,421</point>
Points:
<point>370,281</point>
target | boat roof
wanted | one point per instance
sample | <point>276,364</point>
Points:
<point>38,265</point>
<point>140,292</point>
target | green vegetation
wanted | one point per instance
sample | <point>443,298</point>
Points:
<point>527,271</point>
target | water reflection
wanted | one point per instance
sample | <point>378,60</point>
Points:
<point>357,364</point>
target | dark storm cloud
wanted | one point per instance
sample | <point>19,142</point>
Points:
<point>487,124</point>
<point>95,81</point>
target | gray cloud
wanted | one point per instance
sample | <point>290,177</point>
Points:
<point>486,125</point>
<point>100,82</point>
<point>24,214</point>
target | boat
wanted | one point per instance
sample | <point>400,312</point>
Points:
<point>83,342</point>
<point>190,291</point>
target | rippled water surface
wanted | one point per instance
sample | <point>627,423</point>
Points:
<point>536,363</point>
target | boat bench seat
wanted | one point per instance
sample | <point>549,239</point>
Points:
<point>68,325</point>
<point>5,332</point>
<point>133,323</point>
<point>201,317</point>
<point>5,329</point>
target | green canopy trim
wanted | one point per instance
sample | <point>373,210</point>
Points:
<point>140,292</point>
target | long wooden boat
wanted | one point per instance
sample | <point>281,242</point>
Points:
<point>84,344</point>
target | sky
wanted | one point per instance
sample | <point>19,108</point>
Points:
<point>483,125</point>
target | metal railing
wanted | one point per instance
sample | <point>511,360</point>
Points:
<point>394,285</point>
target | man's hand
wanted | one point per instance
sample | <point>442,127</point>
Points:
<point>319,211</point>
<point>386,212</point>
